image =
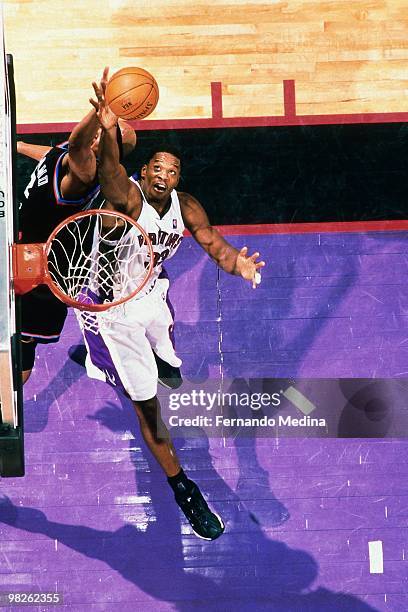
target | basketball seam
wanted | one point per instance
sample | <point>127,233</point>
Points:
<point>141,74</point>
<point>145,74</point>
<point>129,90</point>
<point>133,110</point>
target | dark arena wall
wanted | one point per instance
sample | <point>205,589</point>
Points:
<point>281,174</point>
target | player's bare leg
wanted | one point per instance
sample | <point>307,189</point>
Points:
<point>28,351</point>
<point>26,375</point>
<point>156,436</point>
<point>205,523</point>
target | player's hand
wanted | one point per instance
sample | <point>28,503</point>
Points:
<point>106,117</point>
<point>248,267</point>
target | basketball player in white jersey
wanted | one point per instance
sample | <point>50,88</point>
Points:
<point>121,353</point>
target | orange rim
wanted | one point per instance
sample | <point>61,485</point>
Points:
<point>64,297</point>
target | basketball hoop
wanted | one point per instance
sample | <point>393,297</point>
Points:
<point>92,261</point>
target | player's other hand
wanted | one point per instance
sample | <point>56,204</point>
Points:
<point>248,267</point>
<point>106,117</point>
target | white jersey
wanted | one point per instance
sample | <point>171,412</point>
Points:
<point>118,263</point>
<point>122,340</point>
<point>132,256</point>
<point>165,233</point>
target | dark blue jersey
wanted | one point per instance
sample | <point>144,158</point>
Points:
<point>42,207</point>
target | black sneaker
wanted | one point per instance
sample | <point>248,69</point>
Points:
<point>169,376</point>
<point>206,524</point>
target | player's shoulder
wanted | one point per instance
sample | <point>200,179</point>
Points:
<point>187,200</point>
<point>58,152</point>
<point>193,213</point>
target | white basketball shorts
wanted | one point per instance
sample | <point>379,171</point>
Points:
<point>121,352</point>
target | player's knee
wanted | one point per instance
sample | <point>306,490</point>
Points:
<point>148,409</point>
<point>28,353</point>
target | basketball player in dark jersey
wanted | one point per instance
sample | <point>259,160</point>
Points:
<point>64,182</point>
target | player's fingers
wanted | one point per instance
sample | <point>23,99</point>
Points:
<point>255,256</point>
<point>260,264</point>
<point>97,90</point>
<point>243,251</point>
<point>105,73</point>
<point>94,103</point>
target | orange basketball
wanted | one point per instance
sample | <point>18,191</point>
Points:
<point>132,93</point>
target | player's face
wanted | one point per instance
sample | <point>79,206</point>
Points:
<point>160,176</point>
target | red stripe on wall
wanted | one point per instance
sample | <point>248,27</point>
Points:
<point>216,99</point>
<point>289,98</point>
<point>225,122</point>
<point>312,228</point>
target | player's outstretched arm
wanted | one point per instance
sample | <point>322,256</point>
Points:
<point>224,254</point>
<point>81,157</point>
<point>34,151</point>
<point>115,183</point>
<point>119,191</point>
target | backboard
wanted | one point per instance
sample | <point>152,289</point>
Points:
<point>11,427</point>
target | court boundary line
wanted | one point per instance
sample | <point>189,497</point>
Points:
<point>217,120</point>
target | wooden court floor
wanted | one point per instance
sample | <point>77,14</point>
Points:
<point>345,57</point>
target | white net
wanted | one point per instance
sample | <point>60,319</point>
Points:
<point>98,260</point>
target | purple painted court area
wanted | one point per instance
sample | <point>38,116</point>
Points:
<point>94,518</point>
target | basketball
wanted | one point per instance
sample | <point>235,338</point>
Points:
<point>132,93</point>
